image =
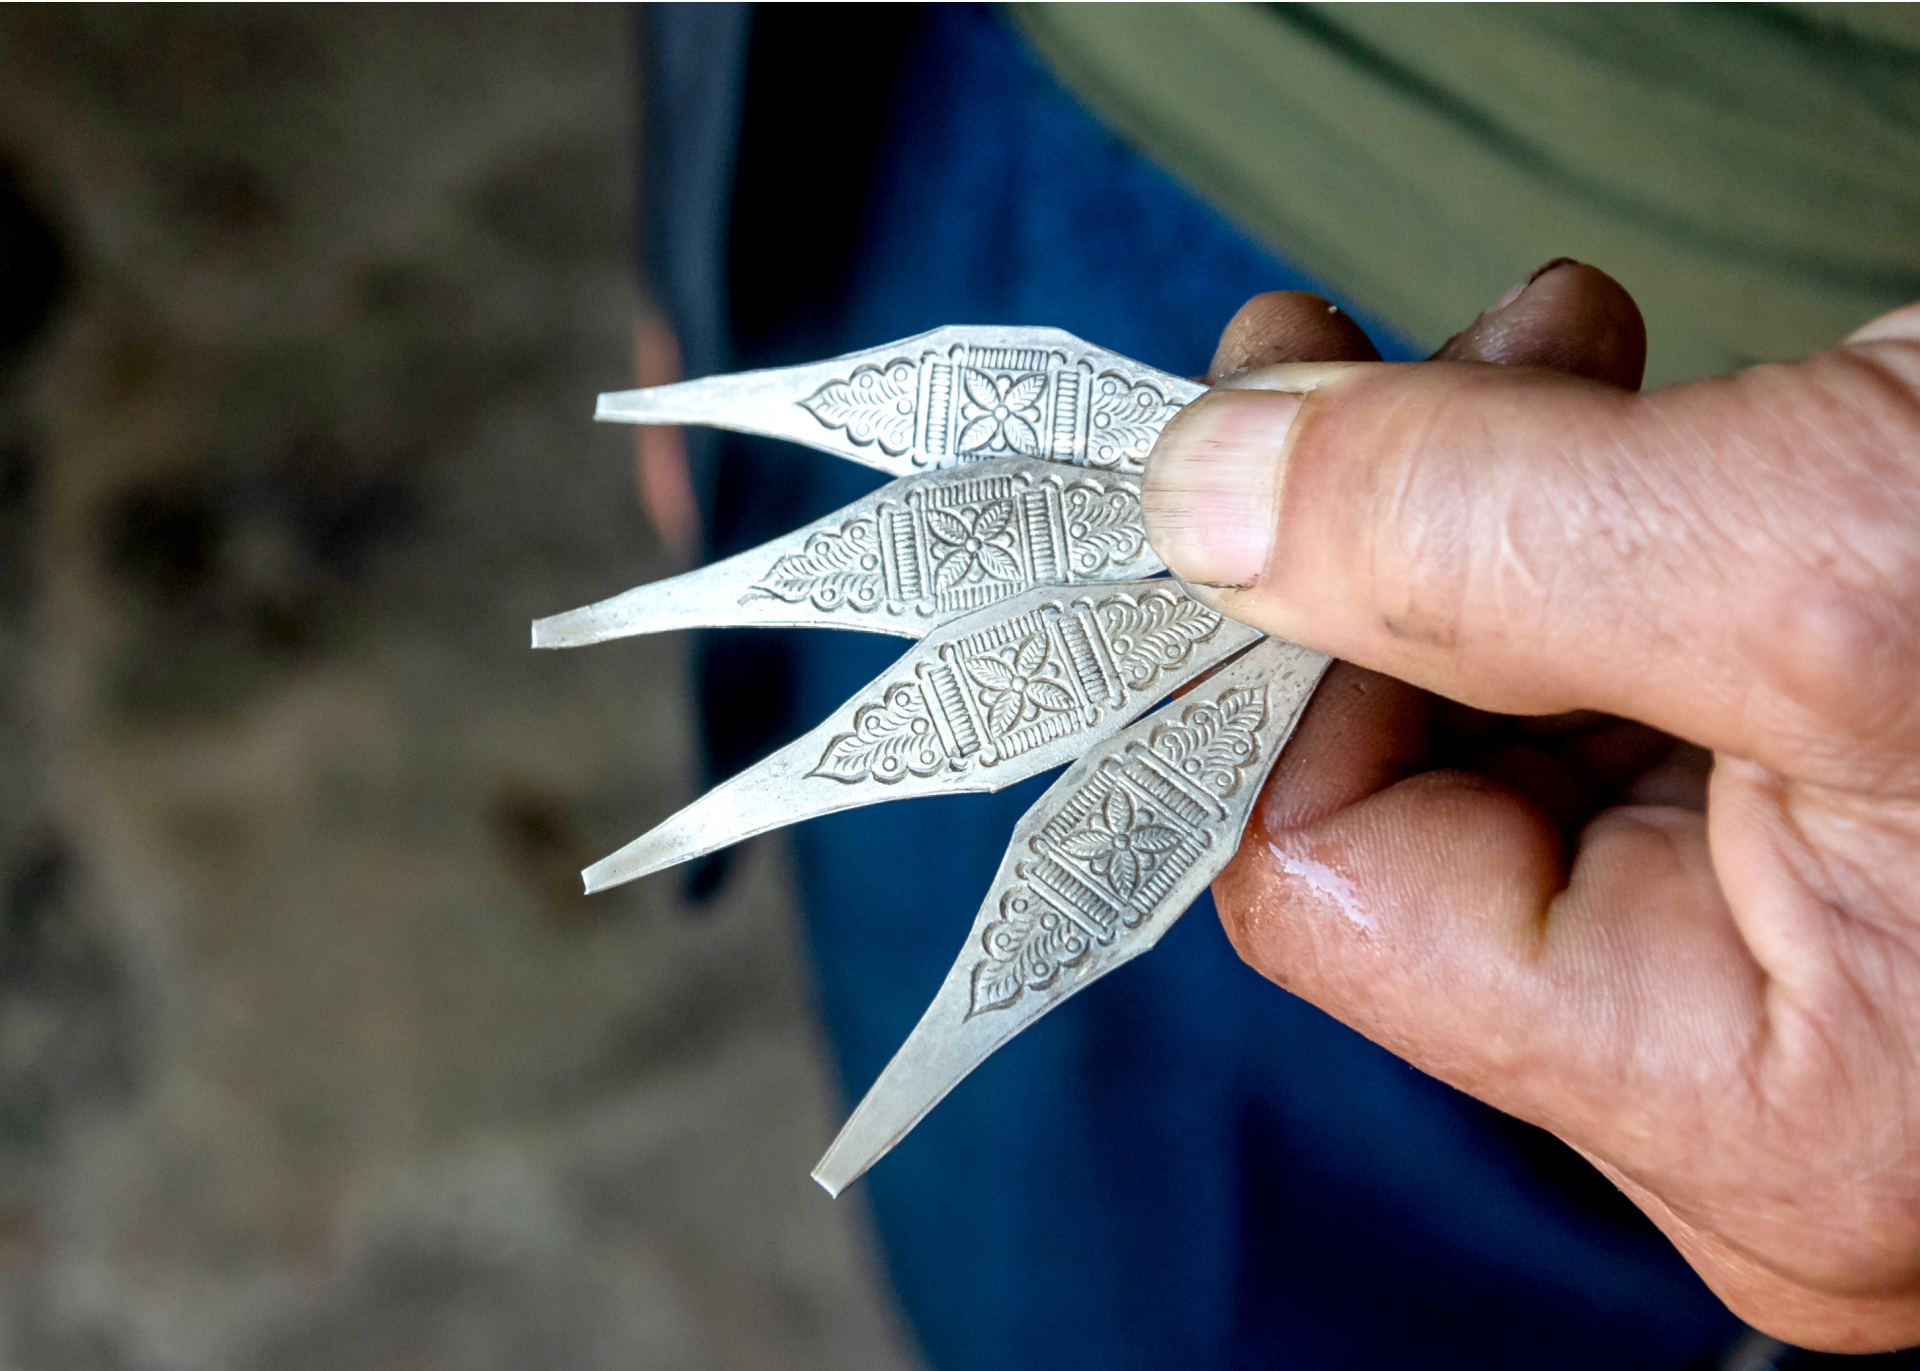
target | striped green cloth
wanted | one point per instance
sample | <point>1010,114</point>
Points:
<point>1750,173</point>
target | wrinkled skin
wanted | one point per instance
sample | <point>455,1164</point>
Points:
<point>1610,814</point>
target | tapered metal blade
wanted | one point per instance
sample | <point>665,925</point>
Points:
<point>1102,865</point>
<point>957,394</point>
<point>987,700</point>
<point>913,555</point>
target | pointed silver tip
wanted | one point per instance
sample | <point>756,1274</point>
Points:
<point>742,807</point>
<point>658,607</point>
<point>618,869</point>
<point>887,1114</point>
<point>560,630</point>
<point>704,401</point>
<point>680,837</point>
<point>835,1172</point>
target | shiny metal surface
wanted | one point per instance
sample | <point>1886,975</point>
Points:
<point>1097,871</point>
<point>1012,548</point>
<point>959,394</point>
<point>992,698</point>
<point>906,559</point>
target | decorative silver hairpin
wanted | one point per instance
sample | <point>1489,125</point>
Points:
<point>1011,547</point>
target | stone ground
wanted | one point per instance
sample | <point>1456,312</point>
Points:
<point>311,1053</point>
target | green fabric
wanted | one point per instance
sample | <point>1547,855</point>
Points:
<point>1751,174</point>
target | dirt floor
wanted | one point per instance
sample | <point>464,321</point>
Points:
<point>312,1055</point>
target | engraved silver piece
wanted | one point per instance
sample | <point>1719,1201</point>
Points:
<point>906,559</point>
<point>956,394</point>
<point>1012,548</point>
<point>1098,870</point>
<point>993,698</point>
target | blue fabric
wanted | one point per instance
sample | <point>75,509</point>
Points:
<point>1184,1166</point>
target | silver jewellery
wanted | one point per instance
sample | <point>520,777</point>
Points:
<point>1011,548</point>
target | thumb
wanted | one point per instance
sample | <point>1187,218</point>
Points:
<point>1734,560</point>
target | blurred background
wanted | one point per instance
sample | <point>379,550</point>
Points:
<point>312,1055</point>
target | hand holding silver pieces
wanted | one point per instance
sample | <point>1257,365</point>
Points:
<point>1012,548</point>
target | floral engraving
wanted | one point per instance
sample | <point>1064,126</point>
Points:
<point>1027,947</point>
<point>1001,414</point>
<point>1125,420</point>
<point>1019,685</point>
<point>1214,744</point>
<point>976,547</point>
<point>1153,633</point>
<point>1104,525</point>
<point>1049,674</point>
<point>834,568</point>
<point>874,405</point>
<point>1116,848</point>
<point>964,544</point>
<point>890,740</point>
<point>943,545</point>
<point>964,403</point>
<point>1131,852</point>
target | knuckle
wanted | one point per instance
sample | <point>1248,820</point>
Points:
<point>1837,655</point>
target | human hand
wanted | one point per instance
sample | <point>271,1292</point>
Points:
<point>660,475</point>
<point>1644,867</point>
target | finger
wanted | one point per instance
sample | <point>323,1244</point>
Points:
<point>1333,755</point>
<point>1288,326</point>
<point>1620,754</point>
<point>1423,911</point>
<point>1360,733</point>
<point>1731,561</point>
<point>661,475</point>
<point>1603,755</point>
<point>1678,780</point>
<point>1900,325</point>
<point>1438,917</point>
<point>1566,317</point>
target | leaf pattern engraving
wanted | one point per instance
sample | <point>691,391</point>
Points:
<point>1104,524</point>
<point>1118,846</point>
<point>1027,947</point>
<point>1125,420</point>
<point>1154,632</point>
<point>890,740</point>
<point>1122,845</point>
<point>1001,414</point>
<point>1214,744</point>
<point>1019,685</point>
<point>973,547</point>
<point>874,405</point>
<point>834,568</point>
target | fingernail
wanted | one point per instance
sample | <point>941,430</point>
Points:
<point>1296,378</point>
<point>1519,287</point>
<point>1210,495</point>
